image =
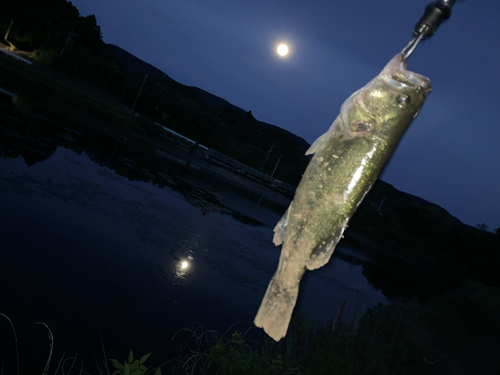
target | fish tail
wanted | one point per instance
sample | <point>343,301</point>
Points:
<point>277,306</point>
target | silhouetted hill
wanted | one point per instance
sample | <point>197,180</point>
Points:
<point>303,145</point>
<point>387,195</point>
<point>136,65</point>
<point>133,64</point>
<point>214,101</point>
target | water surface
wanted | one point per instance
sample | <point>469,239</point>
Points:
<point>97,241</point>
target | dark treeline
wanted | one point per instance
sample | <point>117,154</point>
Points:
<point>55,34</point>
<point>430,251</point>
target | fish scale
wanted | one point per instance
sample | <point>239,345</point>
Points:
<point>347,161</point>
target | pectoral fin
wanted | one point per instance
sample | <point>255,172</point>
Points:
<point>320,143</point>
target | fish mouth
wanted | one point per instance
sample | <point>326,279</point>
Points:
<point>397,76</point>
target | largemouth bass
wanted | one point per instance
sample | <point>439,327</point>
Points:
<point>347,161</point>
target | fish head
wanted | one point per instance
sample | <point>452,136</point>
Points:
<point>388,103</point>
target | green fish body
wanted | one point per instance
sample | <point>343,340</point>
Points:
<point>347,161</point>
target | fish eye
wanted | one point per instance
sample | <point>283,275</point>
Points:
<point>403,100</point>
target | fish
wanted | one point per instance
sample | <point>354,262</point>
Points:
<point>346,162</point>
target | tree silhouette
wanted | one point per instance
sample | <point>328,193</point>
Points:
<point>482,226</point>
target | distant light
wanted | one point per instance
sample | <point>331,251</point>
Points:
<point>282,50</point>
<point>184,264</point>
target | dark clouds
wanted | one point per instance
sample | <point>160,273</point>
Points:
<point>450,155</point>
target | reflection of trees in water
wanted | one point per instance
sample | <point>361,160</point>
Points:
<point>132,157</point>
<point>29,139</point>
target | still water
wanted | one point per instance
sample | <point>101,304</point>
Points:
<point>97,242</point>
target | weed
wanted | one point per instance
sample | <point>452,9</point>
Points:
<point>15,341</point>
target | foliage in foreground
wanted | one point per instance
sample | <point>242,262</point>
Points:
<point>132,366</point>
<point>388,340</point>
<point>401,338</point>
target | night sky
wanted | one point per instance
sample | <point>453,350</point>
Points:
<point>451,153</point>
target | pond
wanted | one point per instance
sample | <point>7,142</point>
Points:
<point>101,237</point>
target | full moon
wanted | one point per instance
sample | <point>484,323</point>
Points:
<point>282,49</point>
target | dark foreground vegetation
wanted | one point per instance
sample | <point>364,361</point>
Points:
<point>424,250</point>
<point>401,338</point>
<point>441,275</point>
<point>454,334</point>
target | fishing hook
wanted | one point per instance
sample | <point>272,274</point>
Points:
<point>408,50</point>
<point>435,13</point>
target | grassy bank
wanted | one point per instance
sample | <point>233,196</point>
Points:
<point>448,335</point>
<point>452,334</point>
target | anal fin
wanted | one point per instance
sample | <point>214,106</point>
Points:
<point>280,228</point>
